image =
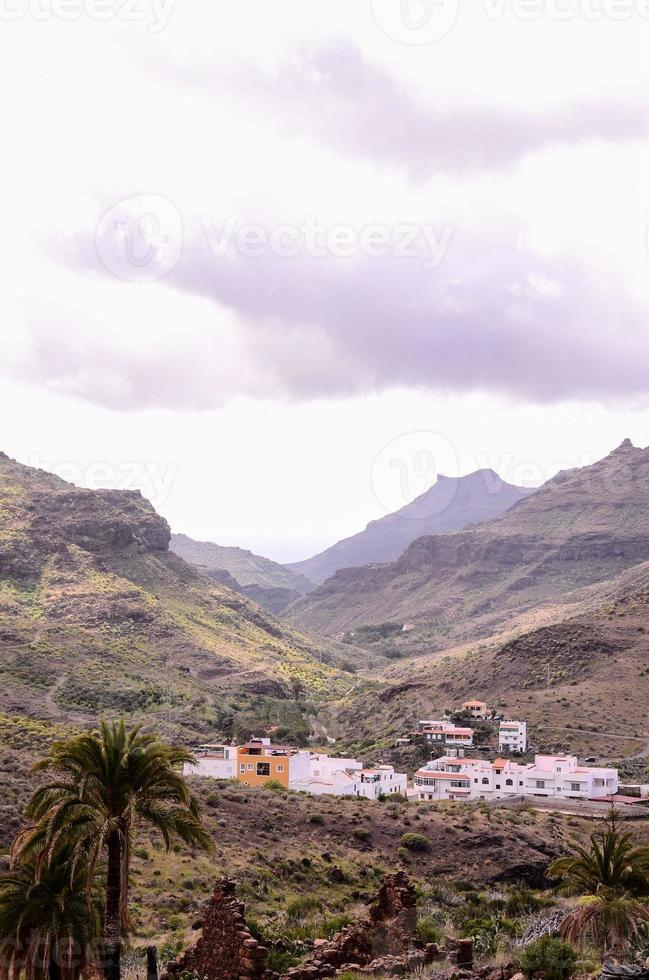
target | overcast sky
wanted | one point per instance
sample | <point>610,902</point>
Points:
<point>279,264</point>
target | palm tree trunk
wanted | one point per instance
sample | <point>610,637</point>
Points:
<point>113,911</point>
<point>54,970</point>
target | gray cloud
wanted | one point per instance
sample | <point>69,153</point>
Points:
<point>331,91</point>
<point>492,317</point>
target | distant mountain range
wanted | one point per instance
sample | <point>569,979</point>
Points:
<point>272,585</point>
<point>451,504</point>
<point>582,527</point>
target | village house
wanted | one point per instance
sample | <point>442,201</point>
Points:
<point>445,733</point>
<point>477,709</point>
<point>259,761</point>
<point>370,783</point>
<point>254,763</point>
<point>214,760</point>
<point>556,776</point>
<point>512,736</point>
<point>382,781</point>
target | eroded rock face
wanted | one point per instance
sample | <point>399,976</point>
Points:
<point>227,949</point>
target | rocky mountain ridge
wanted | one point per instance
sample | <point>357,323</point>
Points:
<point>451,504</point>
<point>272,585</point>
<point>582,527</point>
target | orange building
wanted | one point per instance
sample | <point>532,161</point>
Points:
<point>259,761</point>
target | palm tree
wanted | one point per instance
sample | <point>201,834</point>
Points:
<point>105,784</point>
<point>613,862</point>
<point>608,918</point>
<point>49,920</point>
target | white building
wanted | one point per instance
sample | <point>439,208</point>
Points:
<point>322,766</point>
<point>381,781</point>
<point>338,782</point>
<point>217,761</point>
<point>559,777</point>
<point>444,732</point>
<point>512,736</point>
<point>298,769</point>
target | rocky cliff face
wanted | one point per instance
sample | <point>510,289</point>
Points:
<point>583,527</point>
<point>42,516</point>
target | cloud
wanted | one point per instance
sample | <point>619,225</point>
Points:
<point>332,92</point>
<point>492,316</point>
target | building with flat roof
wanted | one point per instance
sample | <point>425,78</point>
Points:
<point>445,733</point>
<point>259,761</point>
<point>512,736</point>
<point>559,777</point>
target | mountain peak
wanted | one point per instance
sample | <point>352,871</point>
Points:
<point>625,444</point>
<point>452,503</point>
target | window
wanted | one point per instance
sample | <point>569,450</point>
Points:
<point>251,767</point>
<point>574,787</point>
<point>281,769</point>
<point>520,782</point>
<point>540,783</point>
<point>509,782</point>
<point>263,768</point>
<point>242,767</point>
<point>497,785</point>
<point>485,781</point>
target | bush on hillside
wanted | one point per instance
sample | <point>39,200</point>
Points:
<point>415,842</point>
<point>552,957</point>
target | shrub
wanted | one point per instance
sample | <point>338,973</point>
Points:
<point>334,924</point>
<point>275,786</point>
<point>415,842</point>
<point>552,957</point>
<point>315,818</point>
<point>429,930</point>
<point>361,833</point>
<point>301,907</point>
<point>279,962</point>
<point>404,855</point>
